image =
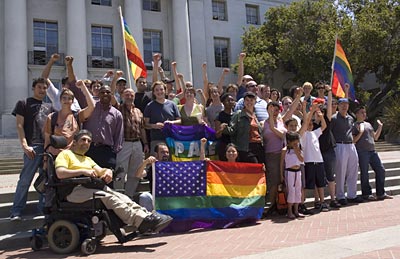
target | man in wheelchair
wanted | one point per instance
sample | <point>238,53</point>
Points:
<point>74,163</point>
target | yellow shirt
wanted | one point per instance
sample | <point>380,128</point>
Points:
<point>72,161</point>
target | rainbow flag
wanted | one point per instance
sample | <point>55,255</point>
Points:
<point>184,141</point>
<point>136,64</point>
<point>341,73</point>
<point>208,194</point>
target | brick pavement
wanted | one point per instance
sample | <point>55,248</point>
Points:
<point>270,234</point>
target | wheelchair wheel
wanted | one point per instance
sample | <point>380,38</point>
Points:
<point>88,246</point>
<point>36,243</point>
<point>63,237</point>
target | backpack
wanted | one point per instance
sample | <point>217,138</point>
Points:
<point>281,202</point>
<point>54,117</point>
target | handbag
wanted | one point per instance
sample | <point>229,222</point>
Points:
<point>40,183</point>
<point>281,201</point>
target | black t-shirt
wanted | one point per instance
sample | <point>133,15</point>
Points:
<point>224,117</point>
<point>141,100</point>
<point>327,140</point>
<point>35,113</point>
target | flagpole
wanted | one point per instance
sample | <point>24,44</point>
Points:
<point>333,61</point>
<point>128,76</point>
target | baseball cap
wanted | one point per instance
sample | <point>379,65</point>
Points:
<point>343,100</point>
<point>249,94</point>
<point>121,79</point>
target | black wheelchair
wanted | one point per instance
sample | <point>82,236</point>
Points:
<point>70,225</point>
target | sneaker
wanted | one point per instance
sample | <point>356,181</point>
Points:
<point>369,197</point>
<point>385,197</point>
<point>154,222</point>
<point>334,204</point>
<point>303,210</point>
<point>342,202</point>
<point>15,218</point>
<point>317,205</point>
<point>324,207</point>
<point>357,199</point>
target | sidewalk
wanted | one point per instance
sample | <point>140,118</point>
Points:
<point>367,230</point>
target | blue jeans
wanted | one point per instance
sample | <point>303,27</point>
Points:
<point>366,158</point>
<point>25,179</point>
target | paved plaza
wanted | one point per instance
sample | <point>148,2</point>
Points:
<point>367,230</point>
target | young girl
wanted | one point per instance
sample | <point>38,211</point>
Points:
<point>291,160</point>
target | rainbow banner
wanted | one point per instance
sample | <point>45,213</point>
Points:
<point>136,64</point>
<point>184,141</point>
<point>341,73</point>
<point>209,194</point>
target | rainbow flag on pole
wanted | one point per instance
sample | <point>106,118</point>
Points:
<point>341,73</point>
<point>136,64</point>
<point>208,194</point>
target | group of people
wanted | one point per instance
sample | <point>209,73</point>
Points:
<point>302,140</point>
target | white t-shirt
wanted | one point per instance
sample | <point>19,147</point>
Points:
<point>310,146</point>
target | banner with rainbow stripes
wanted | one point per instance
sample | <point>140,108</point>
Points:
<point>341,73</point>
<point>209,194</point>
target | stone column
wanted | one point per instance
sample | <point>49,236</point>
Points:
<point>16,85</point>
<point>181,38</point>
<point>132,13</point>
<point>77,36</point>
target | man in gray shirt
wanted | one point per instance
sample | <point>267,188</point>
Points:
<point>364,137</point>
<point>346,166</point>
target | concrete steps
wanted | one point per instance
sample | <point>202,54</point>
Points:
<point>18,233</point>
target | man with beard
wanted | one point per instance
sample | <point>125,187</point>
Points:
<point>74,163</point>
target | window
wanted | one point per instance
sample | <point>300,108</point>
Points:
<point>152,5</point>
<point>221,50</point>
<point>102,47</point>
<point>102,2</point>
<point>45,41</point>
<point>252,14</point>
<point>219,10</point>
<point>152,43</point>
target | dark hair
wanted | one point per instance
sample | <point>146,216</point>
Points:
<point>289,121</point>
<point>360,108</point>
<point>292,91</point>
<point>81,133</point>
<point>39,80</point>
<point>292,136</point>
<point>157,147</point>
<point>64,80</point>
<point>276,90</point>
<point>225,96</point>
<point>231,145</point>
<point>275,104</point>
<point>98,82</point>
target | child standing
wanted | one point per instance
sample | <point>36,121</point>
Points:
<point>291,160</point>
<point>314,163</point>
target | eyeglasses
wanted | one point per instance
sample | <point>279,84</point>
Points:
<point>320,88</point>
<point>287,103</point>
<point>251,86</point>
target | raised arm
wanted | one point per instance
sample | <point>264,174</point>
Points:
<point>271,122</point>
<point>346,90</point>
<point>70,68</point>
<point>180,84</point>
<point>46,71</point>
<point>117,75</point>
<point>241,68</point>
<point>156,60</point>
<point>293,107</point>
<point>205,80</point>
<point>222,80</point>
<point>306,118</point>
<point>378,132</point>
<point>329,104</point>
<point>85,113</point>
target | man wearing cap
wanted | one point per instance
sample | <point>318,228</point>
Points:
<point>260,106</point>
<point>346,165</point>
